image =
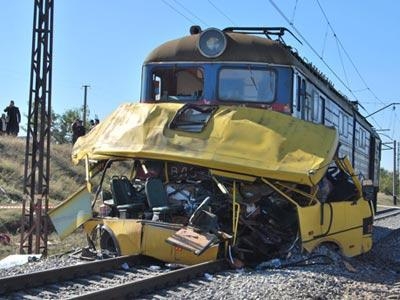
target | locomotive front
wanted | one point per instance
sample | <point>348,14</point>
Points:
<point>219,67</point>
<point>208,171</point>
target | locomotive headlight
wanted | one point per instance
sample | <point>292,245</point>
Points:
<point>212,43</point>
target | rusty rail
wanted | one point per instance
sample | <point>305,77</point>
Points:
<point>134,289</point>
<point>36,279</point>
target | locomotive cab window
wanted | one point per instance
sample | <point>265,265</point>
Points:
<point>177,84</point>
<point>246,84</point>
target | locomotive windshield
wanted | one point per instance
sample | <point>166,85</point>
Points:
<point>210,82</point>
<point>177,84</point>
<point>255,85</point>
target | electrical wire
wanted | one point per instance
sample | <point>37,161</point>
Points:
<point>294,13</point>
<point>312,48</point>
<point>191,13</point>
<point>341,60</point>
<point>221,12</point>
<point>324,43</point>
<point>177,11</point>
<point>346,53</point>
<point>325,63</point>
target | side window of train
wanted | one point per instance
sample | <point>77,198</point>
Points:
<point>361,138</point>
<point>303,96</point>
<point>178,84</point>
<point>156,88</point>
<point>299,93</point>
<point>317,107</point>
<point>343,124</point>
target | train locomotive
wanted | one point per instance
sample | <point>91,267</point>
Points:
<point>237,149</point>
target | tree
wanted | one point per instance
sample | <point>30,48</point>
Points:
<point>61,125</point>
<point>386,182</point>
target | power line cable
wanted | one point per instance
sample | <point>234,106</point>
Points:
<point>312,48</point>
<point>339,43</point>
<point>341,61</point>
<point>324,43</point>
<point>321,58</point>
<point>221,12</point>
<point>294,13</point>
<point>191,13</point>
<point>346,53</point>
<point>177,11</point>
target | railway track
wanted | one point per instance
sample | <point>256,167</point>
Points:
<point>116,278</point>
<point>386,212</point>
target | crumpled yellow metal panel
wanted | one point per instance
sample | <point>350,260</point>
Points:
<point>72,212</point>
<point>342,224</point>
<point>236,139</point>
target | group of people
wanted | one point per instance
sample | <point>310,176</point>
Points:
<point>9,122</point>
<point>78,129</point>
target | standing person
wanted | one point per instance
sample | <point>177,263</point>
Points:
<point>81,131</point>
<point>3,124</point>
<point>14,118</point>
<point>91,124</point>
<point>75,130</point>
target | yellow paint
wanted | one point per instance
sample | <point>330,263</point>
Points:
<point>339,219</point>
<point>71,213</point>
<point>135,237</point>
<point>242,140</point>
<point>154,245</point>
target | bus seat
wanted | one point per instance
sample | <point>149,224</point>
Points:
<point>157,198</point>
<point>125,198</point>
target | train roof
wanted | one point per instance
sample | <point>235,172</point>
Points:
<point>280,146</point>
<point>249,46</point>
<point>240,47</point>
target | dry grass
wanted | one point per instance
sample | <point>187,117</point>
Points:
<point>384,199</point>
<point>65,179</point>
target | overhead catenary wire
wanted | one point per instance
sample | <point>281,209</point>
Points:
<point>177,11</point>
<point>221,12</point>
<point>346,53</point>
<point>324,42</point>
<point>312,48</point>
<point>341,60</point>
<point>294,12</point>
<point>191,13</point>
<point>325,63</point>
<point>392,122</point>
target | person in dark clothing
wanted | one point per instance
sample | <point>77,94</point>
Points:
<point>77,130</point>
<point>3,124</point>
<point>91,124</point>
<point>14,118</point>
<point>81,131</point>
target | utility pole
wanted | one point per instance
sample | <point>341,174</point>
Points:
<point>85,104</point>
<point>37,152</point>
<point>394,174</point>
<point>398,168</point>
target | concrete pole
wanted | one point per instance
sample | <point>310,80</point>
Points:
<point>84,105</point>
<point>394,174</point>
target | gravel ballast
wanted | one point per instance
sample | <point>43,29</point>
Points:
<point>374,275</point>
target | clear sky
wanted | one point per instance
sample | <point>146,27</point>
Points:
<point>103,44</point>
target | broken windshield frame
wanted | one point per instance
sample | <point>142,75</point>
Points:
<point>247,84</point>
<point>192,118</point>
<point>177,84</point>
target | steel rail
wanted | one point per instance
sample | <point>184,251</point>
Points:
<point>37,279</point>
<point>386,213</point>
<point>145,286</point>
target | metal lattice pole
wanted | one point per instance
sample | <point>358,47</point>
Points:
<point>37,152</point>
